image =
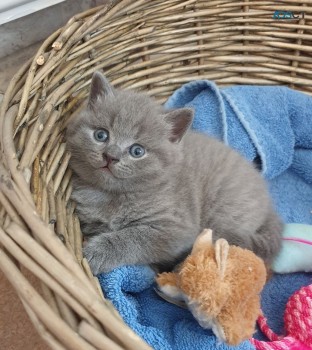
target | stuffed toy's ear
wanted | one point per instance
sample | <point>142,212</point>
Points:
<point>221,250</point>
<point>179,120</point>
<point>100,88</point>
<point>202,241</point>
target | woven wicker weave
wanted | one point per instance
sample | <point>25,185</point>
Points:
<point>150,45</point>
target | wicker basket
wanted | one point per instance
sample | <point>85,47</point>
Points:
<point>150,45</point>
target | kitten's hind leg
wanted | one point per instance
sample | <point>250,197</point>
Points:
<point>266,242</point>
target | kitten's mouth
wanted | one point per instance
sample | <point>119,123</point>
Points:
<point>106,169</point>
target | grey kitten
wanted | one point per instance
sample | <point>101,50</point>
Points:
<point>145,185</point>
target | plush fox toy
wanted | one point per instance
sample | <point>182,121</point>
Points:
<point>220,284</point>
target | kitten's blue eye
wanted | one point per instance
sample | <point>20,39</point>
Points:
<point>137,151</point>
<point>101,135</point>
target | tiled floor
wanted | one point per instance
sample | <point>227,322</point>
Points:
<point>16,330</point>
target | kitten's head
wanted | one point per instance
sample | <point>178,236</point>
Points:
<point>123,139</point>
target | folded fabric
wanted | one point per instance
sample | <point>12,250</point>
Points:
<point>272,125</point>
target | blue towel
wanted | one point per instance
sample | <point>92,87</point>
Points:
<point>270,124</point>
<point>273,124</point>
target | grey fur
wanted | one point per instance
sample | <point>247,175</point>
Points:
<point>150,210</point>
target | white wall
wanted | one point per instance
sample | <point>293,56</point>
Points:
<point>11,10</point>
<point>8,4</point>
<point>36,27</point>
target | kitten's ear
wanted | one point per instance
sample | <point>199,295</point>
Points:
<point>100,88</point>
<point>180,120</point>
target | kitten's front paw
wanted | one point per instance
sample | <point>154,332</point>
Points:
<point>97,255</point>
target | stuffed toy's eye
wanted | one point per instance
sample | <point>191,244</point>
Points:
<point>101,135</point>
<point>137,151</point>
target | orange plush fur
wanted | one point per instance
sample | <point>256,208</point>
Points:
<point>221,285</point>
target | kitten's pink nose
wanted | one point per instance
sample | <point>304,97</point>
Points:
<point>112,154</point>
<point>111,159</point>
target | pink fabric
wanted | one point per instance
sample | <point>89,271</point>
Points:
<point>298,324</point>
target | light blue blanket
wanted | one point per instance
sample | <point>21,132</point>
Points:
<point>268,125</point>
